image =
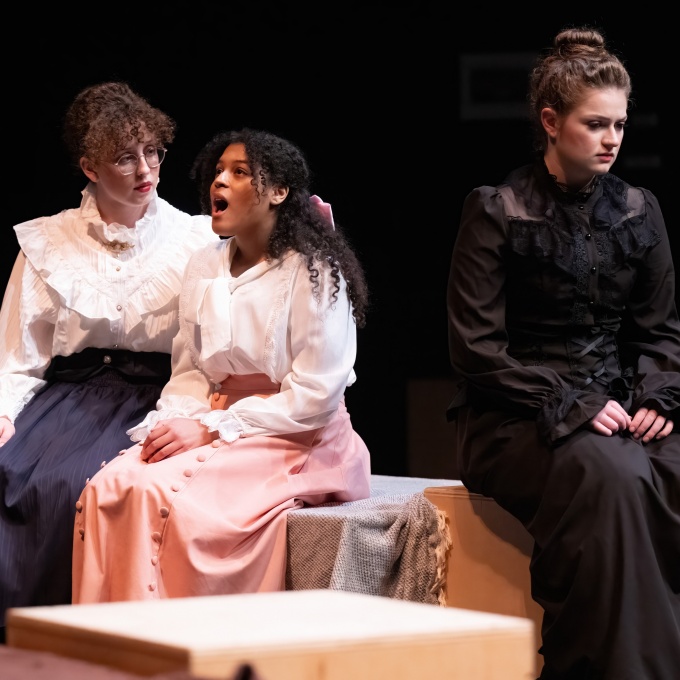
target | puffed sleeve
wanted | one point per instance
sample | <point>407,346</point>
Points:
<point>652,339</point>
<point>27,329</point>
<point>478,342</point>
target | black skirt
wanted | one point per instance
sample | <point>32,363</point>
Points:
<point>604,513</point>
<point>64,435</point>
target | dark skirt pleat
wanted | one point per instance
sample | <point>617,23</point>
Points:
<point>64,435</point>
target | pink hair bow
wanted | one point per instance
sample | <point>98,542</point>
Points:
<point>324,208</point>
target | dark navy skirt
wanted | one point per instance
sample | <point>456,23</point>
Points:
<point>64,435</point>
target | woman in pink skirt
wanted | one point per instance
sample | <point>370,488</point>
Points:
<point>252,422</point>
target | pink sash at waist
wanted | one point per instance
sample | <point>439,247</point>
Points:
<point>236,387</point>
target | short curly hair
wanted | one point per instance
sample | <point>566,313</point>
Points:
<point>299,225</point>
<point>104,118</point>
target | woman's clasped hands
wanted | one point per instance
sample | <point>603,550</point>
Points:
<point>645,425</point>
<point>174,436</point>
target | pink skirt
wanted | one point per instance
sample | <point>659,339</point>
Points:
<point>212,520</point>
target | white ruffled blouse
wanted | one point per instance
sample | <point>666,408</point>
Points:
<point>69,291</point>
<point>267,320</point>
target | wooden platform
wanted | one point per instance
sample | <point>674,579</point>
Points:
<point>488,561</point>
<point>290,635</point>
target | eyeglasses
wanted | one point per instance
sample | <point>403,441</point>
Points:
<point>153,155</point>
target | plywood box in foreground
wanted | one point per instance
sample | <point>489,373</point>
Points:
<point>290,635</point>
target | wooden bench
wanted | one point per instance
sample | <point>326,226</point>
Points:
<point>487,567</point>
<point>419,539</point>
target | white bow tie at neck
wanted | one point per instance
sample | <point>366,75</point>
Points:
<point>208,308</point>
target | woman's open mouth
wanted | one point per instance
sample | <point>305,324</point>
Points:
<point>219,206</point>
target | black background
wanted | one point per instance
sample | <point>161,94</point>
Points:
<point>371,93</point>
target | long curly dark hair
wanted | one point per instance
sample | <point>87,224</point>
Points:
<point>104,118</point>
<point>300,226</point>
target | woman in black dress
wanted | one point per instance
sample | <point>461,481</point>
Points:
<point>565,345</point>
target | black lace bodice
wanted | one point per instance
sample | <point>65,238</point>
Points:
<point>550,295</point>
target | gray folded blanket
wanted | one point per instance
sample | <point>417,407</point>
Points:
<point>392,544</point>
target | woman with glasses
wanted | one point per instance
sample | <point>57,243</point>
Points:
<point>87,323</point>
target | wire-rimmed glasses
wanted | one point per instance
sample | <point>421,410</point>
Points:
<point>153,156</point>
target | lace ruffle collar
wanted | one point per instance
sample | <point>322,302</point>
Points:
<point>584,191</point>
<point>113,236</point>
